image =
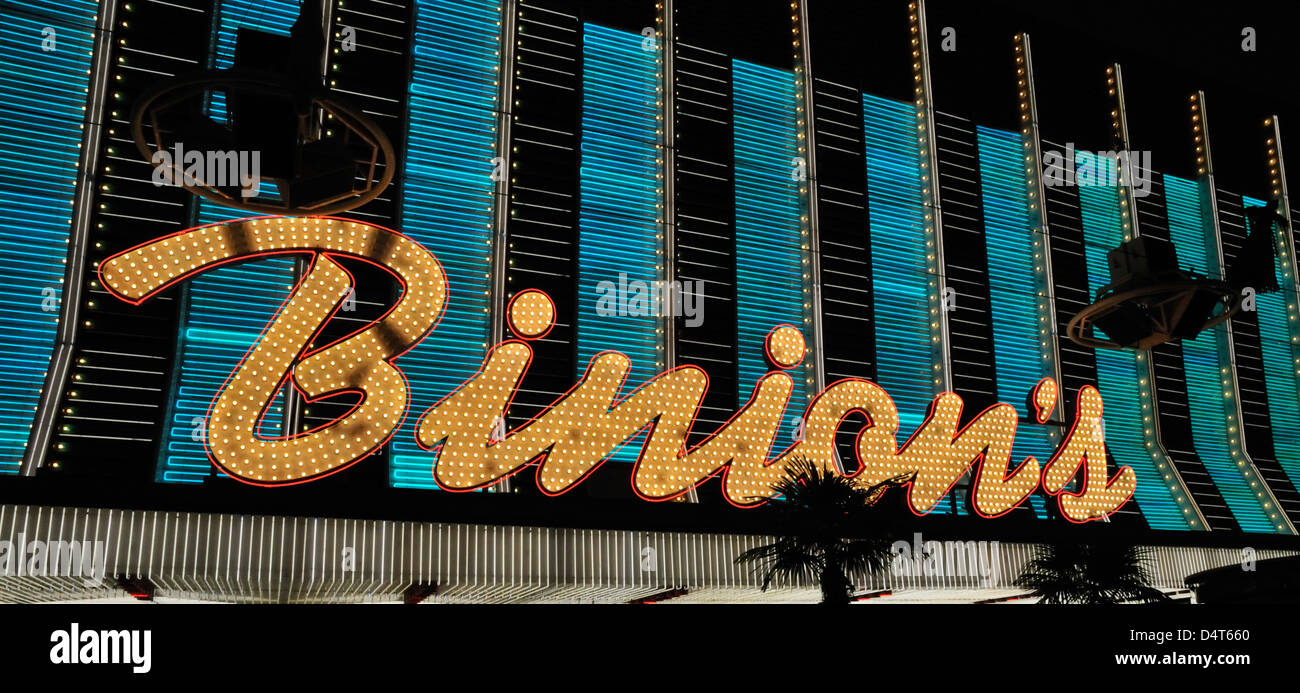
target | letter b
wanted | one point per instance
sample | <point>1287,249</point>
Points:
<point>358,364</point>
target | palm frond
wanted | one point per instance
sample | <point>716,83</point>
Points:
<point>1090,574</point>
<point>817,508</point>
<point>866,555</point>
<point>787,557</point>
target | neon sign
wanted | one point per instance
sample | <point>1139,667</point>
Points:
<point>568,440</point>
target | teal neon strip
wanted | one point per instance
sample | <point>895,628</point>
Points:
<point>770,263</point>
<point>619,248</point>
<point>1279,339</point>
<point>447,202</point>
<point>1118,372</point>
<point>1206,367</point>
<point>226,308</point>
<point>896,210</point>
<point>901,285</point>
<point>42,104</point>
<point>1021,354</point>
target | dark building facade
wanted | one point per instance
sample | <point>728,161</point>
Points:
<point>680,179</point>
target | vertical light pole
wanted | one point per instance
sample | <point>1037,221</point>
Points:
<point>668,172</point>
<point>83,205</point>
<point>1223,334</point>
<point>1287,257</point>
<point>933,226</point>
<point>1033,158</point>
<point>504,163</point>
<point>811,241</point>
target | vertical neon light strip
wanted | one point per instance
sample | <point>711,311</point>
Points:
<point>619,239</point>
<point>770,262</point>
<point>620,244</point>
<point>1278,332</point>
<point>1204,364</point>
<point>447,201</point>
<point>1119,375</point>
<point>896,209</point>
<point>1020,354</point>
<point>42,105</point>
<point>225,309</point>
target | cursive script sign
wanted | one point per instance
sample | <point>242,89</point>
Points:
<point>583,428</point>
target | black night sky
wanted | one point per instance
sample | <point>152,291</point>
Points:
<point>1167,49</point>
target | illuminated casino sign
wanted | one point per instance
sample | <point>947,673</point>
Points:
<point>569,439</point>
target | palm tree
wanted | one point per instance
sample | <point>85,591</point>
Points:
<point>817,509</point>
<point>1090,574</point>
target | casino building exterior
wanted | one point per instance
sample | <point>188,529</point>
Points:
<point>678,191</point>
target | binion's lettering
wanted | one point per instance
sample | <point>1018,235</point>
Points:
<point>569,439</point>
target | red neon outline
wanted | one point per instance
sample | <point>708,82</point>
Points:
<point>976,462</point>
<point>510,324</point>
<point>771,459</point>
<point>540,460</point>
<point>288,375</point>
<point>514,390</point>
<point>858,438</point>
<point>1039,414</point>
<point>847,413</point>
<point>767,341</point>
<point>291,378</point>
<point>1083,466</point>
<point>724,469</point>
